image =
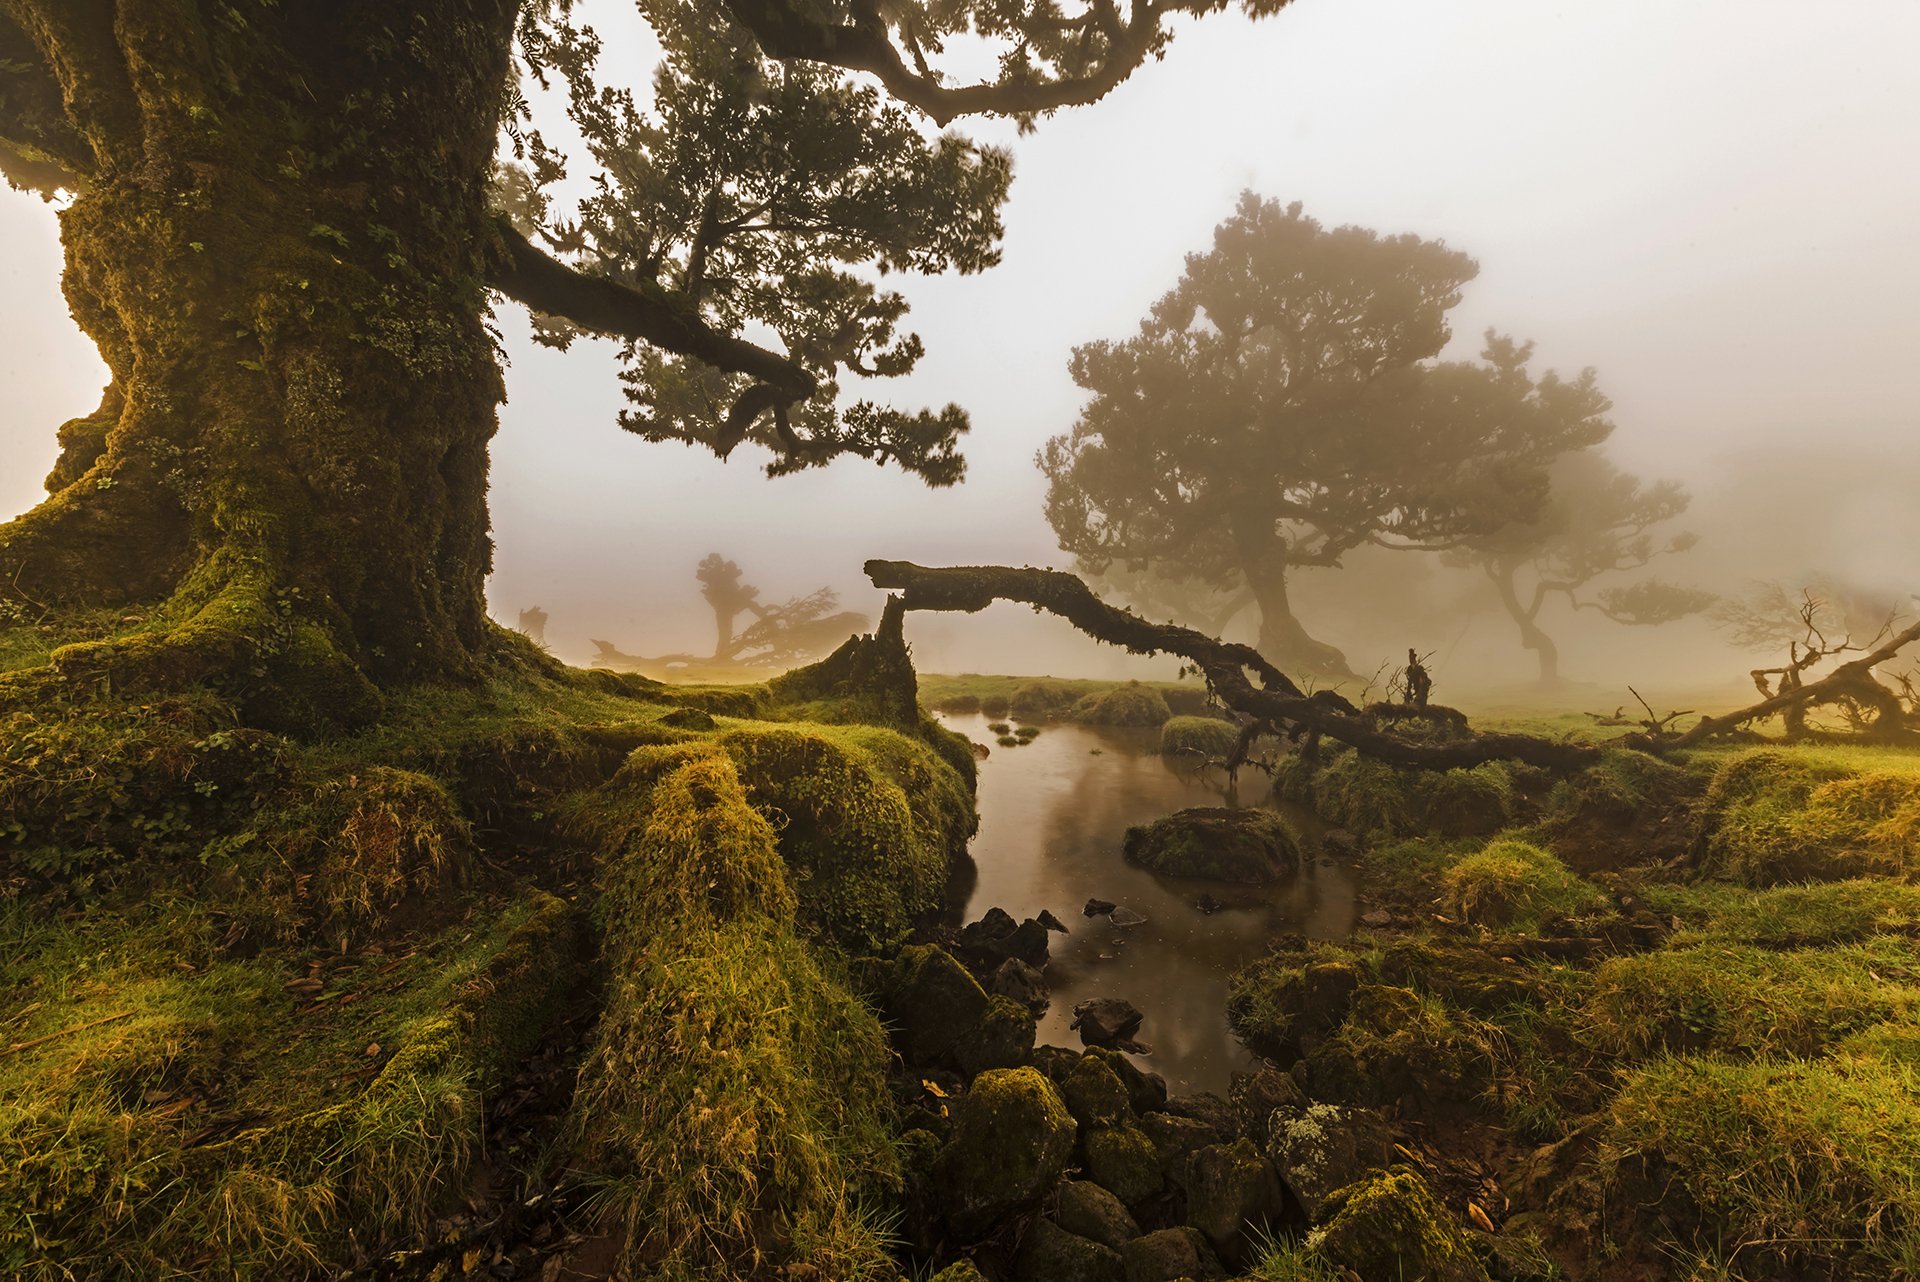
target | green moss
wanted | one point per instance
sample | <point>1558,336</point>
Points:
<point>1775,816</point>
<point>1613,790</point>
<point>1012,1136</point>
<point>1476,802</point>
<point>1039,700</point>
<point>1132,704</point>
<point>732,1103</point>
<point>1389,1225</point>
<point>1511,885</point>
<point>1789,916</point>
<point>1250,847</point>
<point>181,1110</point>
<point>1395,1043</point>
<point>1406,875</point>
<point>1122,1160</point>
<point>1738,998</point>
<point>1811,1169</point>
<point>1201,738</point>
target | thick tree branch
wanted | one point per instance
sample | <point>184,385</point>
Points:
<point>785,31</point>
<point>545,284</point>
<point>1226,665</point>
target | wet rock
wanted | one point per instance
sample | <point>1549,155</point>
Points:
<point>1126,917</point>
<point>1250,847</point>
<point>1208,905</point>
<point>1094,1212</point>
<point>1019,982</point>
<point>1176,1139</point>
<point>1209,1108</point>
<point>960,1271</point>
<point>1325,1147</point>
<point>1169,1255</point>
<point>1051,922</point>
<point>1097,908</point>
<point>1389,1225</point>
<point>1231,1190</point>
<point>1095,1094</point>
<point>1105,1021</point>
<point>1049,1253</point>
<point>1011,1139</point>
<point>984,944</point>
<point>1256,1096</point>
<point>1001,1038</point>
<point>1122,1160</point>
<point>1146,1092</point>
<point>1055,1061</point>
<point>933,1002</point>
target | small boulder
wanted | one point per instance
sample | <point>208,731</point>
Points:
<point>1232,1191</point>
<point>1388,1224</point>
<point>984,944</point>
<point>1250,847</point>
<point>1176,1139</point>
<point>1049,1253</point>
<point>1012,1136</point>
<point>1097,908</point>
<point>1106,1021</point>
<point>1146,1092</point>
<point>1207,1107</point>
<point>1093,1212</point>
<point>1122,1160</point>
<point>1257,1095</point>
<point>1047,919</point>
<point>1325,1147</point>
<point>1001,1038</point>
<point>960,1271</point>
<point>933,1002</point>
<point>1017,981</point>
<point>1095,1094</point>
<point>1169,1255</point>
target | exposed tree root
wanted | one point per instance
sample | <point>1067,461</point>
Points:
<point>1277,700</point>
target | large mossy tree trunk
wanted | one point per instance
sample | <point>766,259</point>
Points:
<point>280,250</point>
<point>1265,558</point>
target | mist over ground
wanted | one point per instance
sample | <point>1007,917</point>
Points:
<point>1711,204</point>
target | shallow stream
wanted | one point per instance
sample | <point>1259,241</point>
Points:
<point>1052,816</point>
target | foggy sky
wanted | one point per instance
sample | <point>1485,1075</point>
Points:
<point>1713,202</point>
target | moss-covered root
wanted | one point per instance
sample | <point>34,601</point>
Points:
<point>731,1108</point>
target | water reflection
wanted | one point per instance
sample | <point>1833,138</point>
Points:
<point>1051,819</point>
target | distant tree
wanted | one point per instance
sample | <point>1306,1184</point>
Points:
<point>720,584</point>
<point>792,632</point>
<point>533,623</point>
<point>1597,520</point>
<point>1276,411</point>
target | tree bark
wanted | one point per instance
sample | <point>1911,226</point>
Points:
<point>281,250</point>
<point>1531,637</point>
<point>1264,564</point>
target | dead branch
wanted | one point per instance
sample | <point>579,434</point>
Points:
<point>1277,700</point>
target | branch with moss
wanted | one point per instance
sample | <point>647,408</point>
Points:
<point>1277,700</point>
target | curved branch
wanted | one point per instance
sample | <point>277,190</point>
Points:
<point>545,284</point>
<point>1225,665</point>
<point>785,32</point>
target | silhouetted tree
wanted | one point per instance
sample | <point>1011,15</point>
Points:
<point>1275,411</point>
<point>287,219</point>
<point>794,631</point>
<point>1597,521</point>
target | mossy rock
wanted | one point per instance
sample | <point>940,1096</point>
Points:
<point>1094,1093</point>
<point>1511,885</point>
<point>1001,1038</point>
<point>1122,1160</point>
<point>1094,1212</point>
<point>1323,1148</point>
<point>960,1271</point>
<point>1232,1194</point>
<point>1198,738</point>
<point>1049,1253</point>
<point>1012,1136</point>
<point>933,1003</point>
<point>1170,1255</point>
<point>1283,1002</point>
<point>1247,847</point>
<point>1132,704</point>
<point>1388,1225</point>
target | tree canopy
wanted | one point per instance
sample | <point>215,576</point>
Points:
<point>1279,408</point>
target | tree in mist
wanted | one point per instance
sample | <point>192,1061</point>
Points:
<point>1597,521</point>
<point>1277,410</point>
<point>288,225</point>
<point>794,631</point>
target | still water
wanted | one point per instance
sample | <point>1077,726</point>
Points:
<point>1052,815</point>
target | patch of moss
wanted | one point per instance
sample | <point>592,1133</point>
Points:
<point>1012,1136</point>
<point>1039,700</point>
<point>1789,916</point>
<point>1132,704</point>
<point>1389,1225</point>
<point>732,1105</point>
<point>1511,885</point>
<point>1395,1043</point>
<point>1200,738</point>
<point>1774,817</point>
<point>1250,847</point>
<point>1613,789</point>
<point>1801,1169</point>
<point>1475,802</point>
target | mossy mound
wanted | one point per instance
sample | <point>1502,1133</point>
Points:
<point>1040,700</point>
<point>177,1109</point>
<point>1249,847</point>
<point>1369,796</point>
<point>1394,1044</point>
<point>732,1105</point>
<point>1199,738</point>
<point>1775,817</point>
<point>1012,1136</point>
<point>1806,1169</point>
<point>1132,704</point>
<point>1389,1226</point>
<point>1791,916</point>
<point>871,822</point>
<point>1511,885</point>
